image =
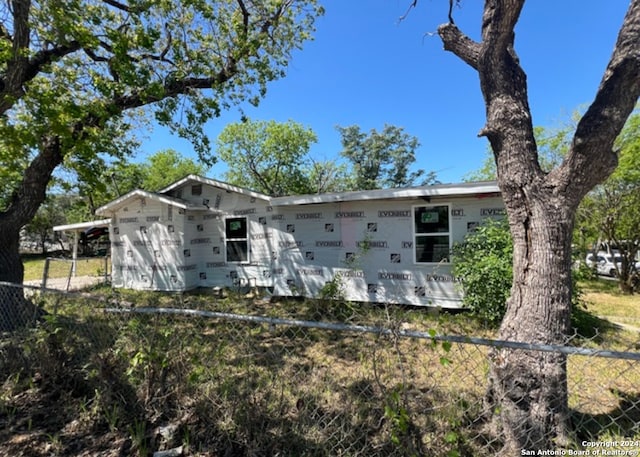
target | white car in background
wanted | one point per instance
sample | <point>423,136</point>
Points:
<point>606,263</point>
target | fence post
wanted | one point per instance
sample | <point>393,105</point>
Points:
<point>72,272</point>
<point>45,273</point>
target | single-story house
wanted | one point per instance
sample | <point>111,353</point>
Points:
<point>387,245</point>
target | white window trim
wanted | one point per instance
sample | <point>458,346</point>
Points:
<point>414,234</point>
<point>247,239</point>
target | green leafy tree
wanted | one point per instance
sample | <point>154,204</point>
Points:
<point>610,212</point>
<point>122,176</point>
<point>76,75</point>
<point>484,264</point>
<point>327,176</point>
<point>52,212</point>
<point>382,159</point>
<point>272,158</point>
<point>158,171</point>
<point>166,167</point>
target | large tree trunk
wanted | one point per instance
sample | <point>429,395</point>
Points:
<point>11,268</point>
<point>15,310</point>
<point>527,391</point>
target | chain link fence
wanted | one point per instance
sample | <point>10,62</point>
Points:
<point>115,373</point>
<point>67,274</point>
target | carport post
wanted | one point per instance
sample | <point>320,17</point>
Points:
<point>74,253</point>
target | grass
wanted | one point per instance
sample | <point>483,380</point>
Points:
<point>104,383</point>
<point>242,389</point>
<point>604,299</point>
<point>59,268</point>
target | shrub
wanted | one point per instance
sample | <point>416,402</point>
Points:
<point>483,261</point>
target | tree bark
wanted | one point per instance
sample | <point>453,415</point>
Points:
<point>528,389</point>
<point>527,395</point>
<point>15,310</point>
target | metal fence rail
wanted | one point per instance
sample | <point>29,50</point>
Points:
<point>194,375</point>
<point>336,326</point>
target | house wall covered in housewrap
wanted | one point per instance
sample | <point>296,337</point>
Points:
<point>371,246</point>
<point>393,250</point>
<point>146,246</point>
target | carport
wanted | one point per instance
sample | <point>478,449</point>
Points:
<point>77,229</point>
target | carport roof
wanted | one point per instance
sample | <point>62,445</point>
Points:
<point>81,226</point>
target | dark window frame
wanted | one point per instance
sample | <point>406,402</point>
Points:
<point>237,238</point>
<point>431,235</point>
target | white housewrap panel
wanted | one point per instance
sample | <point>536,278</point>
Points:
<point>389,245</point>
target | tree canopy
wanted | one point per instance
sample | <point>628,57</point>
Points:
<point>273,158</point>
<point>77,75</point>
<point>267,156</point>
<point>157,171</point>
<point>382,159</point>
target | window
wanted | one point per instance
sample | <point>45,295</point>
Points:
<point>237,244</point>
<point>432,233</point>
<point>196,189</point>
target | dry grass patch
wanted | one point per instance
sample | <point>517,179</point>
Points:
<point>623,308</point>
<point>60,268</point>
<point>238,388</point>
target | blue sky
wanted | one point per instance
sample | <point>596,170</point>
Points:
<point>365,67</point>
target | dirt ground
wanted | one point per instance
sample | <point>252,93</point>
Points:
<point>75,283</point>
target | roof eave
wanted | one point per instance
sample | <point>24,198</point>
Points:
<point>444,190</point>
<point>214,183</point>
<point>138,193</point>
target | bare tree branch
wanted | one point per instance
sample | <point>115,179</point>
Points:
<point>460,44</point>
<point>120,6</point>
<point>411,6</point>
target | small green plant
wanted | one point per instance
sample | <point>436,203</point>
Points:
<point>397,415</point>
<point>333,300</point>
<point>354,261</point>
<point>54,441</point>
<point>446,347</point>
<point>111,414</point>
<point>333,289</point>
<point>138,434</point>
<point>452,438</point>
<point>403,432</point>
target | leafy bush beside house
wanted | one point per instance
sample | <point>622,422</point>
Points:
<point>483,261</point>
